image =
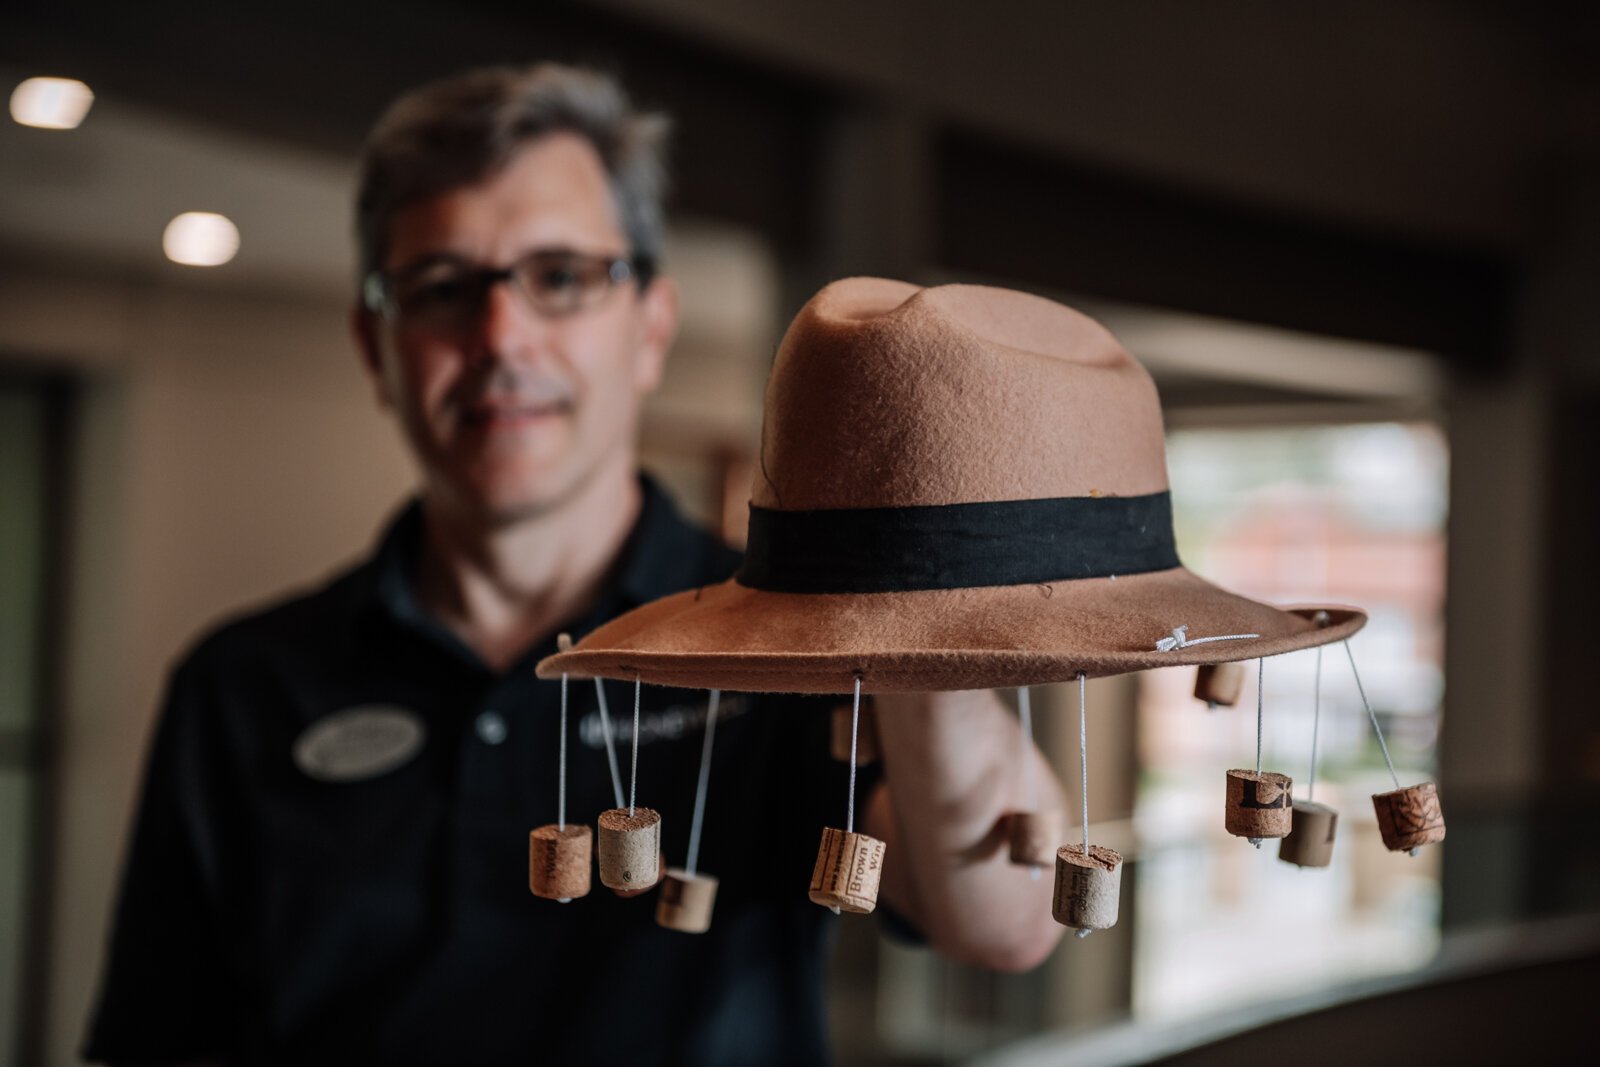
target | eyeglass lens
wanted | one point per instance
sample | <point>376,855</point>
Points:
<point>554,282</point>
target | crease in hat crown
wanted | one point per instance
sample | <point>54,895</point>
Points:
<point>886,395</point>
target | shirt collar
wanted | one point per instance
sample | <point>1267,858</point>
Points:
<point>662,554</point>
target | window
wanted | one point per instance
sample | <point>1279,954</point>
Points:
<point>1347,514</point>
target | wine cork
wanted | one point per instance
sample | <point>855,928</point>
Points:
<point>1258,804</point>
<point>630,847</point>
<point>685,901</point>
<point>866,736</point>
<point>558,861</point>
<point>1310,840</point>
<point>1409,818</point>
<point>1087,888</point>
<point>849,867</point>
<point>1219,683</point>
<point>1032,836</point>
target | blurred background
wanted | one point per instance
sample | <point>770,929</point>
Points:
<point>1357,243</point>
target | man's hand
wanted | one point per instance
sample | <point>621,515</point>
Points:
<point>952,769</point>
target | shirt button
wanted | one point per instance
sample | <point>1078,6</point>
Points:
<point>491,726</point>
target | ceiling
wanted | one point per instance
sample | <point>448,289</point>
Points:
<point>1331,140</point>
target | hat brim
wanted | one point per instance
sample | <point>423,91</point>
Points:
<point>732,637</point>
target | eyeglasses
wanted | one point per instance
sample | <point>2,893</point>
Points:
<point>445,295</point>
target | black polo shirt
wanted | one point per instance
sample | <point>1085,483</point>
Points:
<point>271,916</point>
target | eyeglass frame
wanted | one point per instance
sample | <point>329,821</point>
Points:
<point>378,296</point>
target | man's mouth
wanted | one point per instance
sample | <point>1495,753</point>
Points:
<point>506,414</point>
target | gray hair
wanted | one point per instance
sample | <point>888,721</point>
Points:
<point>462,129</point>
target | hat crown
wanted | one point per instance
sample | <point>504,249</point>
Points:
<point>884,394</point>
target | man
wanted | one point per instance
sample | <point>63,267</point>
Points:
<point>329,863</point>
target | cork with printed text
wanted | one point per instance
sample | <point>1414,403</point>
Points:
<point>849,868</point>
<point>1258,804</point>
<point>1409,818</point>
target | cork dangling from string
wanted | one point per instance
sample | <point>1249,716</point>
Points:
<point>630,838</point>
<point>1088,878</point>
<point>849,865</point>
<point>1258,802</point>
<point>558,854</point>
<point>1312,825</point>
<point>1219,684</point>
<point>1407,818</point>
<point>1031,834</point>
<point>687,896</point>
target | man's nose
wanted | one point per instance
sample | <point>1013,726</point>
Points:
<point>507,327</point>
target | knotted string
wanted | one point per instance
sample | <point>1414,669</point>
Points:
<point>1180,639</point>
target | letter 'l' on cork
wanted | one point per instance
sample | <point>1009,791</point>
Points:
<point>1258,804</point>
<point>1219,683</point>
<point>1409,818</point>
<point>1032,836</point>
<point>685,901</point>
<point>866,739</point>
<point>1310,840</point>
<point>558,861</point>
<point>849,867</point>
<point>1087,889</point>
<point>630,848</point>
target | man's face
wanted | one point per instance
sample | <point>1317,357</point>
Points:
<point>511,412</point>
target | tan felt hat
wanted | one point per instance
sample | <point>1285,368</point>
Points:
<point>959,487</point>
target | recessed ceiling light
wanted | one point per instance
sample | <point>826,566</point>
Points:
<point>200,239</point>
<point>51,103</point>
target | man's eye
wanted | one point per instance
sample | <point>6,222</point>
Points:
<point>558,279</point>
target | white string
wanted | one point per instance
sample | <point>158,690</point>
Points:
<point>700,786</point>
<point>1083,755</point>
<point>1083,768</point>
<point>1261,669</point>
<point>633,769</point>
<point>1316,715</point>
<point>1180,639</point>
<point>855,725</point>
<point>611,747</point>
<point>1368,705</point>
<point>561,802</point>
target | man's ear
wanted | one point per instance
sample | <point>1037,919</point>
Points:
<point>364,327</point>
<point>659,328</point>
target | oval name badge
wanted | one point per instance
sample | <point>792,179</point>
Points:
<point>359,743</point>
